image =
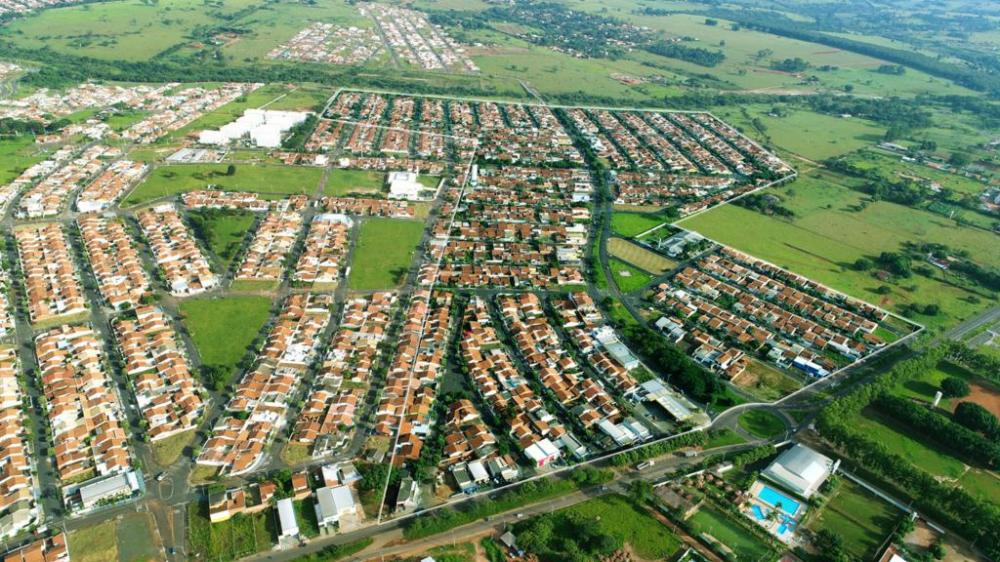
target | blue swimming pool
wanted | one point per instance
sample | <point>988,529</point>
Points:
<point>759,513</point>
<point>772,497</point>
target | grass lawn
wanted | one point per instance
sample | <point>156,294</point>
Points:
<point>169,449</point>
<point>295,453</point>
<point>861,519</point>
<point>921,454</point>
<point>238,537</point>
<point>271,181</point>
<point>619,518</point>
<point>728,532</point>
<point>628,225</point>
<point>829,234</point>
<point>761,423</point>
<point>136,538</point>
<point>94,544</point>
<point>17,155</point>
<point>222,231</point>
<point>925,385</point>
<point>305,514</point>
<point>384,251</point>
<point>983,484</point>
<point>343,182</point>
<point>723,437</point>
<point>627,277</point>
<point>222,329</point>
<point>639,256</point>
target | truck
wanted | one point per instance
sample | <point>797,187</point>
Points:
<point>644,465</point>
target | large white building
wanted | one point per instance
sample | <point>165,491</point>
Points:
<point>263,127</point>
<point>801,470</point>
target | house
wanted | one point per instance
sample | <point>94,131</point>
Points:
<point>408,496</point>
<point>286,518</point>
<point>801,470</point>
<point>542,452</point>
<point>460,472</point>
<point>332,503</point>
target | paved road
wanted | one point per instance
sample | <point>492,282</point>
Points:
<point>985,318</point>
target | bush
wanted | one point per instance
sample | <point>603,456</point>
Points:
<point>954,387</point>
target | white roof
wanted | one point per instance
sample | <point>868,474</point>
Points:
<point>478,471</point>
<point>801,469</point>
<point>286,516</point>
<point>334,501</point>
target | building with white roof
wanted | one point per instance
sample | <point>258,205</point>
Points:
<point>263,127</point>
<point>800,470</point>
<point>286,517</point>
<point>332,503</point>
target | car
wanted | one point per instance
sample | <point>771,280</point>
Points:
<point>161,476</point>
<point>520,515</point>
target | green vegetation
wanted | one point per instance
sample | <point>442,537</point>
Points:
<point>732,535</point>
<point>240,536</point>
<point>639,256</point>
<point>628,278</point>
<point>95,543</point>
<point>834,226</point>
<point>270,181</point>
<point>305,516</point>
<point>17,155</point>
<point>166,451</point>
<point>861,519</point>
<point>222,330</point>
<point>137,538</point>
<point>765,382</point>
<point>384,252</point>
<point>723,438</point>
<point>336,552</point>
<point>527,493</point>
<point>222,231</point>
<point>596,527</point>
<point>628,225</point>
<point>761,423</point>
<point>343,182</point>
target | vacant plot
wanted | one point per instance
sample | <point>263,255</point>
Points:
<point>17,155</point>
<point>831,230</point>
<point>639,256</point>
<point>238,537</point>
<point>166,451</point>
<point>628,278</point>
<point>729,533</point>
<point>761,423</point>
<point>94,544</point>
<point>621,519</point>
<point>222,231</point>
<point>343,182</point>
<point>136,538</point>
<point>925,385</point>
<point>628,225</point>
<point>765,382</point>
<point>384,252</point>
<point>861,519</point>
<point>272,182</point>
<point>222,329</point>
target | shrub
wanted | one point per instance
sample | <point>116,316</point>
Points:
<point>954,387</point>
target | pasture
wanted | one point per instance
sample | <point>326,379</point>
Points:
<point>270,181</point>
<point>384,252</point>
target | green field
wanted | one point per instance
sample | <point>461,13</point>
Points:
<point>384,252</point>
<point>923,386</point>
<point>731,534</point>
<point>761,423</point>
<point>916,451</point>
<point>17,155</point>
<point>95,543</point>
<point>344,182</point>
<point>813,136</point>
<point>862,520</point>
<point>234,538</point>
<point>628,278</point>
<point>619,518</point>
<point>829,233</point>
<point>628,225</point>
<point>222,231</point>
<point>222,329</point>
<point>765,382</point>
<point>272,182</point>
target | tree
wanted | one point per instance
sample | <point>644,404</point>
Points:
<point>863,264</point>
<point>936,550</point>
<point>954,387</point>
<point>959,159</point>
<point>977,418</point>
<point>231,170</point>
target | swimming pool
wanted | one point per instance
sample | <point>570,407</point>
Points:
<point>772,497</point>
<point>758,512</point>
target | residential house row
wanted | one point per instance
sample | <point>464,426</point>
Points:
<point>114,259</point>
<point>51,280</point>
<point>18,488</point>
<point>180,259</point>
<point>265,257</point>
<point>259,407</point>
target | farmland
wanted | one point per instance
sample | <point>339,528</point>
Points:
<point>271,181</point>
